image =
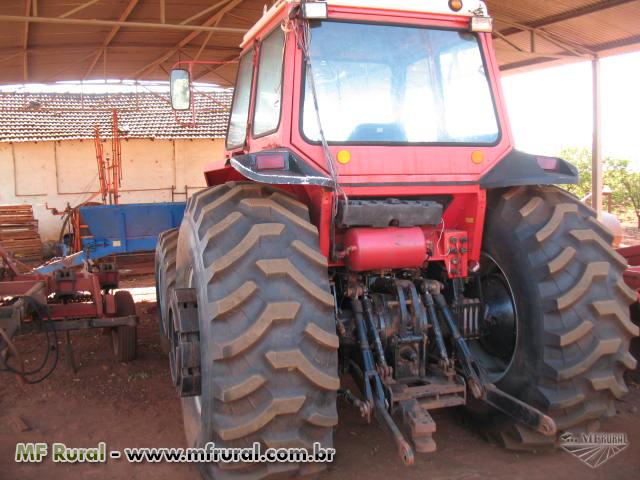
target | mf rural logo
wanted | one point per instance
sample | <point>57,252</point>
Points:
<point>594,449</point>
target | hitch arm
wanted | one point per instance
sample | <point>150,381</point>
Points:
<point>484,390</point>
<point>518,410</point>
<point>437,331</point>
<point>374,389</point>
<point>404,448</point>
<point>384,369</point>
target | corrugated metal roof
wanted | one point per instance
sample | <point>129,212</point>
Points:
<point>593,27</point>
<point>46,116</point>
<point>52,52</point>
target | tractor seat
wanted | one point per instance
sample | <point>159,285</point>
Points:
<point>378,132</point>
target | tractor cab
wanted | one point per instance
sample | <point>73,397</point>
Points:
<point>383,87</point>
<point>360,95</point>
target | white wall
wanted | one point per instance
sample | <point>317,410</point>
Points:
<point>57,173</point>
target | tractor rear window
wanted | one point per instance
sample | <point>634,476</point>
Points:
<point>397,84</point>
<point>237,133</point>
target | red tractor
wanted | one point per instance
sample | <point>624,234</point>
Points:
<point>371,217</point>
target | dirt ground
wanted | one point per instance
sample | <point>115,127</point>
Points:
<point>134,405</point>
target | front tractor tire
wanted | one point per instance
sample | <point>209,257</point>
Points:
<point>571,308</point>
<point>165,273</point>
<point>268,347</point>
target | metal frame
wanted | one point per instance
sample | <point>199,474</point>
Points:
<point>102,51</point>
<point>64,301</point>
<point>73,300</point>
<point>118,23</point>
<point>25,42</point>
<point>212,26</point>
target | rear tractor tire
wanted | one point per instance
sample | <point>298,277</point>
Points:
<point>165,267</point>
<point>267,339</point>
<point>124,338</point>
<point>572,328</point>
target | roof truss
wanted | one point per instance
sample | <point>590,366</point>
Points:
<point>140,39</point>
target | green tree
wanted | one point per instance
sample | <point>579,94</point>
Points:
<point>623,183</point>
<point>631,183</point>
<point>616,173</point>
<point>581,158</point>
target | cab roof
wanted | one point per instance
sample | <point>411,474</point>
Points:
<point>469,8</point>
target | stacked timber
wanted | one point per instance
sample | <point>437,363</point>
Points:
<point>19,233</point>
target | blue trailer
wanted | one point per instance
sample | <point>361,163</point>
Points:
<point>118,229</point>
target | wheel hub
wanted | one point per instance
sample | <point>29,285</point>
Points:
<point>499,326</point>
<point>496,344</point>
<point>184,357</point>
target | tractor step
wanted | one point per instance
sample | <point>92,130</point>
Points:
<point>420,425</point>
<point>416,401</point>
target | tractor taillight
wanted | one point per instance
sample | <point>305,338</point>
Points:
<point>271,161</point>
<point>548,163</point>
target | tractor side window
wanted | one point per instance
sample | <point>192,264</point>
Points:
<point>266,117</point>
<point>237,134</point>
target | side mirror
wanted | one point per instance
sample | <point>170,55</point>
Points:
<point>180,89</point>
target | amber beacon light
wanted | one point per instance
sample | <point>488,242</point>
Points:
<point>455,5</point>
